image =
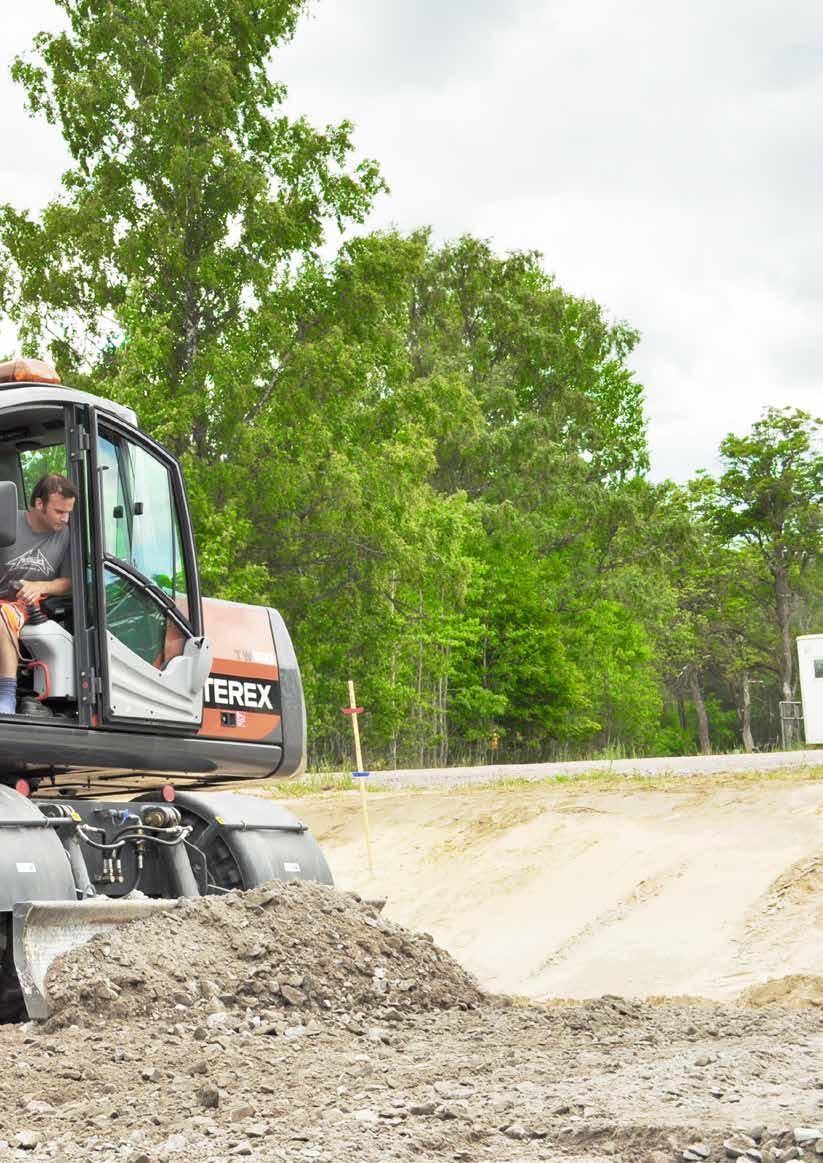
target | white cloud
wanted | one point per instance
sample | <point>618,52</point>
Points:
<point>665,159</point>
<point>33,154</point>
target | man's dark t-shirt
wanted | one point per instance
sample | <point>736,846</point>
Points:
<point>34,556</point>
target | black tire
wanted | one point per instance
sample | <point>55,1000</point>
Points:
<point>12,1006</point>
<point>223,870</point>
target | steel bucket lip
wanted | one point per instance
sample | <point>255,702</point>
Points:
<point>43,930</point>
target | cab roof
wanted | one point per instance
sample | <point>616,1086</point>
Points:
<point>26,380</point>
<point>19,395</point>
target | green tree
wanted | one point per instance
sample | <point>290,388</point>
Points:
<point>704,604</point>
<point>420,480</point>
<point>166,264</point>
<point>177,270</point>
<point>770,497</point>
<point>532,415</point>
<point>431,458</point>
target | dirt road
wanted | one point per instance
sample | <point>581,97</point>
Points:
<point>677,765</point>
<point>584,1083</point>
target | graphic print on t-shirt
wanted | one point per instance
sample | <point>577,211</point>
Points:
<point>33,556</point>
<point>31,563</point>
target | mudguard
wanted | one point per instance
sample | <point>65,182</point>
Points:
<point>33,861</point>
<point>253,840</point>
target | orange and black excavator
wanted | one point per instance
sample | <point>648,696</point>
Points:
<point>135,696</point>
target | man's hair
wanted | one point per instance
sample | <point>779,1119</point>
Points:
<point>49,484</point>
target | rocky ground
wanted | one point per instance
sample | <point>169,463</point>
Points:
<point>294,1023</point>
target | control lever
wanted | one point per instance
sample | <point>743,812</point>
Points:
<point>34,615</point>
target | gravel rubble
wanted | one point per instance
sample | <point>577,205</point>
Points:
<point>295,1023</point>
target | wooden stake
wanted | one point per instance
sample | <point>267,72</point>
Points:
<point>353,710</point>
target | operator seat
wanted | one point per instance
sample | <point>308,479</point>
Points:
<point>51,644</point>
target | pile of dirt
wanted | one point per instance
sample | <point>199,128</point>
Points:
<point>796,991</point>
<point>281,953</point>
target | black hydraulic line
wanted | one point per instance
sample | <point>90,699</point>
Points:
<point>208,834</point>
<point>202,856</point>
<point>214,829</point>
<point>135,884</point>
<point>44,822</point>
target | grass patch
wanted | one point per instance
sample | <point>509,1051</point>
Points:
<point>657,781</point>
<point>316,783</point>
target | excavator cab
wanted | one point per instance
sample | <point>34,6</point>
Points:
<point>128,648</point>
<point>134,676</point>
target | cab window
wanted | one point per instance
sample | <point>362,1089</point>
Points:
<point>140,521</point>
<point>36,462</point>
<point>139,622</point>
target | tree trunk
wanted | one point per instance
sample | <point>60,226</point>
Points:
<point>444,710</point>
<point>700,709</point>
<point>681,712</point>
<point>746,713</point>
<point>783,609</point>
<point>393,744</point>
<point>421,742</point>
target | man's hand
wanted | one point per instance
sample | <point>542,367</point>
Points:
<point>30,591</point>
<point>33,591</point>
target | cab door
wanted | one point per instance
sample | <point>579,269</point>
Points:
<point>154,658</point>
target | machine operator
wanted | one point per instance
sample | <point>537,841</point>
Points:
<point>36,566</point>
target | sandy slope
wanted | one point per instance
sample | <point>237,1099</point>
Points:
<point>576,891</point>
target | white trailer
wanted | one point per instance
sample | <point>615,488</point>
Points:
<point>810,666</point>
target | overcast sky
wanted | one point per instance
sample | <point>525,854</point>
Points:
<point>665,158</point>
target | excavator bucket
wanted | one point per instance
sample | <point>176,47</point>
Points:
<point>43,930</point>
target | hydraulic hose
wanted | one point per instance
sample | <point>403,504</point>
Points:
<point>121,840</point>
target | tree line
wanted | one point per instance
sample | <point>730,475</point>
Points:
<point>431,458</point>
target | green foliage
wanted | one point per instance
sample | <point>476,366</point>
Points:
<point>191,194</point>
<point>431,458</point>
<point>770,499</point>
<point>617,660</point>
<point>35,463</point>
<point>771,492</point>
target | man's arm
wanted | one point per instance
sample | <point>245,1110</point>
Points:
<point>32,590</point>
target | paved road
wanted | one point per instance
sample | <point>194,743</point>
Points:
<point>671,765</point>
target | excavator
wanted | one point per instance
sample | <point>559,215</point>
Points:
<point>136,696</point>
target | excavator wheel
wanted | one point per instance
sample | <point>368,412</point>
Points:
<point>12,1006</point>
<point>215,867</point>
